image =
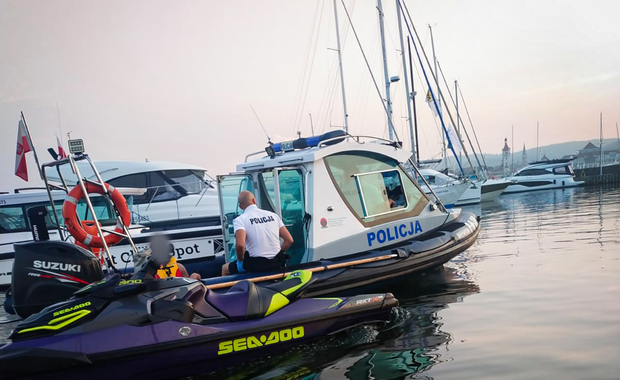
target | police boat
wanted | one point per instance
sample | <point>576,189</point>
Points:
<point>145,328</point>
<point>356,215</point>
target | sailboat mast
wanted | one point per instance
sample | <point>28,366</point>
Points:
<point>415,117</point>
<point>385,71</point>
<point>513,149</point>
<point>408,94</point>
<point>537,134</point>
<point>458,129</point>
<point>601,147</point>
<point>344,98</point>
<point>443,137</point>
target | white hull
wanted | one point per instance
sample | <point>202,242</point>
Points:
<point>189,244</point>
<point>493,188</point>
<point>449,194</point>
<point>472,195</point>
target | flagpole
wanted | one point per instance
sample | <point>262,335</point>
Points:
<point>59,126</point>
<point>34,151</point>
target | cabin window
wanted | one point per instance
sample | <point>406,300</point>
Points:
<point>161,191</point>
<point>266,194</point>
<point>381,192</point>
<point>133,181</point>
<point>192,181</point>
<point>528,172</point>
<point>375,187</point>
<point>430,179</point>
<point>12,219</point>
<point>561,170</point>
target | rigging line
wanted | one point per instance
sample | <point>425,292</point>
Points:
<point>474,130</point>
<point>303,105</point>
<point>303,76</point>
<point>400,4</point>
<point>437,126</point>
<point>330,99</point>
<point>459,118</point>
<point>362,91</point>
<point>367,64</point>
<point>325,102</point>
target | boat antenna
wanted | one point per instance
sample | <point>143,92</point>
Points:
<point>261,124</point>
<point>311,124</point>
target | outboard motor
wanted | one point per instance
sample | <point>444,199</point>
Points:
<point>47,272</point>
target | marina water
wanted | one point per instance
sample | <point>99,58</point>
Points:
<point>537,297</point>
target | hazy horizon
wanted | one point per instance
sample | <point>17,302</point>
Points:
<point>174,81</point>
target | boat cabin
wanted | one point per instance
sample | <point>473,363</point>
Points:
<point>338,195</point>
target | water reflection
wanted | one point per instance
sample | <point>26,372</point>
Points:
<point>410,348</point>
<point>417,345</point>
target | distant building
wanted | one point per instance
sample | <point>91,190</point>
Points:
<point>544,158</point>
<point>590,156</point>
<point>506,158</point>
<point>524,157</point>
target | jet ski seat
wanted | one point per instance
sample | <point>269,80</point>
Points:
<point>245,300</point>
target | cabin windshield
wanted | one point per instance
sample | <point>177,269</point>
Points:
<point>161,186</point>
<point>375,187</point>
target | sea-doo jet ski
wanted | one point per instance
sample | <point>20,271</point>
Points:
<point>159,328</point>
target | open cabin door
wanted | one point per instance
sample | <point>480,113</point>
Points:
<point>229,187</point>
<point>283,191</point>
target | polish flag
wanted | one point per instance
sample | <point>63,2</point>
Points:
<point>61,150</point>
<point>23,146</point>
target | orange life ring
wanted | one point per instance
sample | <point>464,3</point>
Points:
<point>75,228</point>
<point>90,228</point>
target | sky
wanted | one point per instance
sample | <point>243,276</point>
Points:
<point>175,80</point>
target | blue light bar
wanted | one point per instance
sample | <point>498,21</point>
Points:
<point>309,142</point>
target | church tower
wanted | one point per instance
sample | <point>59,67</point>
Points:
<point>506,158</point>
<point>524,157</point>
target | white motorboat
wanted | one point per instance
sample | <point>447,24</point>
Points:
<point>176,199</point>
<point>544,175</point>
<point>493,188</point>
<point>447,188</point>
<point>160,191</point>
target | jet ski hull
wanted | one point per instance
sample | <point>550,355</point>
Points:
<point>161,350</point>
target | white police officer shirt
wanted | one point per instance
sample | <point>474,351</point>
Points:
<point>262,229</point>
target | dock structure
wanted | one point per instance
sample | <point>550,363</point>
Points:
<point>592,176</point>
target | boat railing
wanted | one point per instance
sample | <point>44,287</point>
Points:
<point>72,160</point>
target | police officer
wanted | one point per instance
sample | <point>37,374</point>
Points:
<point>257,234</point>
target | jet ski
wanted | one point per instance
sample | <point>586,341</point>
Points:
<point>140,327</point>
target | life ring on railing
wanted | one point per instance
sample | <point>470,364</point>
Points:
<point>75,228</point>
<point>90,228</point>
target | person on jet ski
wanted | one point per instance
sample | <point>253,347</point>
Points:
<point>257,235</point>
<point>161,248</point>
